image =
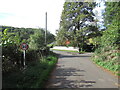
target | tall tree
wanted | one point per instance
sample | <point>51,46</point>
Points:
<point>111,36</point>
<point>75,24</point>
<point>108,52</point>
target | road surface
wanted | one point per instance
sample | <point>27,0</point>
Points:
<point>78,71</point>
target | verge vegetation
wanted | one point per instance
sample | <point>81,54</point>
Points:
<point>39,60</point>
<point>34,76</point>
<point>107,54</point>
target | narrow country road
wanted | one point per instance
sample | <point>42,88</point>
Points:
<point>78,71</point>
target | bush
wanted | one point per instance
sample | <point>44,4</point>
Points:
<point>34,76</point>
<point>11,57</point>
<point>108,59</point>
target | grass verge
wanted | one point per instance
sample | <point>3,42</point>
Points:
<point>34,76</point>
<point>111,64</point>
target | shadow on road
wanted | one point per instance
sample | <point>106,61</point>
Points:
<point>73,56</point>
<point>63,54</point>
<point>69,78</point>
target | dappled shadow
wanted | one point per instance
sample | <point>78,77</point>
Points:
<point>68,72</point>
<point>69,78</point>
<point>73,56</point>
<point>70,56</point>
<point>63,54</point>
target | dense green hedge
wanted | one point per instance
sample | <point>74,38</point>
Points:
<point>38,57</point>
<point>34,76</point>
<point>12,38</point>
<point>108,52</point>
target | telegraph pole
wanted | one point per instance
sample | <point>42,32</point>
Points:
<point>45,28</point>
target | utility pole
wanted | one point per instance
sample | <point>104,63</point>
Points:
<point>45,28</point>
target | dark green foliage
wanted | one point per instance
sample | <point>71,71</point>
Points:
<point>108,60</point>
<point>88,48</point>
<point>50,38</point>
<point>12,38</point>
<point>108,52</point>
<point>36,41</point>
<point>38,66</point>
<point>112,20</point>
<point>31,55</point>
<point>73,26</point>
<point>112,12</point>
<point>11,55</point>
<point>34,76</point>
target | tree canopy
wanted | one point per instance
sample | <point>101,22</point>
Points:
<point>77,23</point>
<point>108,52</point>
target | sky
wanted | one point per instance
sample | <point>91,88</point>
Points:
<point>31,13</point>
<point>98,13</point>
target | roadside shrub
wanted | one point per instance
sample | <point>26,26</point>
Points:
<point>34,76</point>
<point>11,57</point>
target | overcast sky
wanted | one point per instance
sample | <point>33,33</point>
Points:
<point>31,13</point>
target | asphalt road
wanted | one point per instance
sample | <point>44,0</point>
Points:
<point>78,71</point>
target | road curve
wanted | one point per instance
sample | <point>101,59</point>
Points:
<point>78,71</point>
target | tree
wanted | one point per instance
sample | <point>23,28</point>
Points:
<point>108,52</point>
<point>75,24</point>
<point>37,40</point>
<point>50,38</point>
<point>111,37</point>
